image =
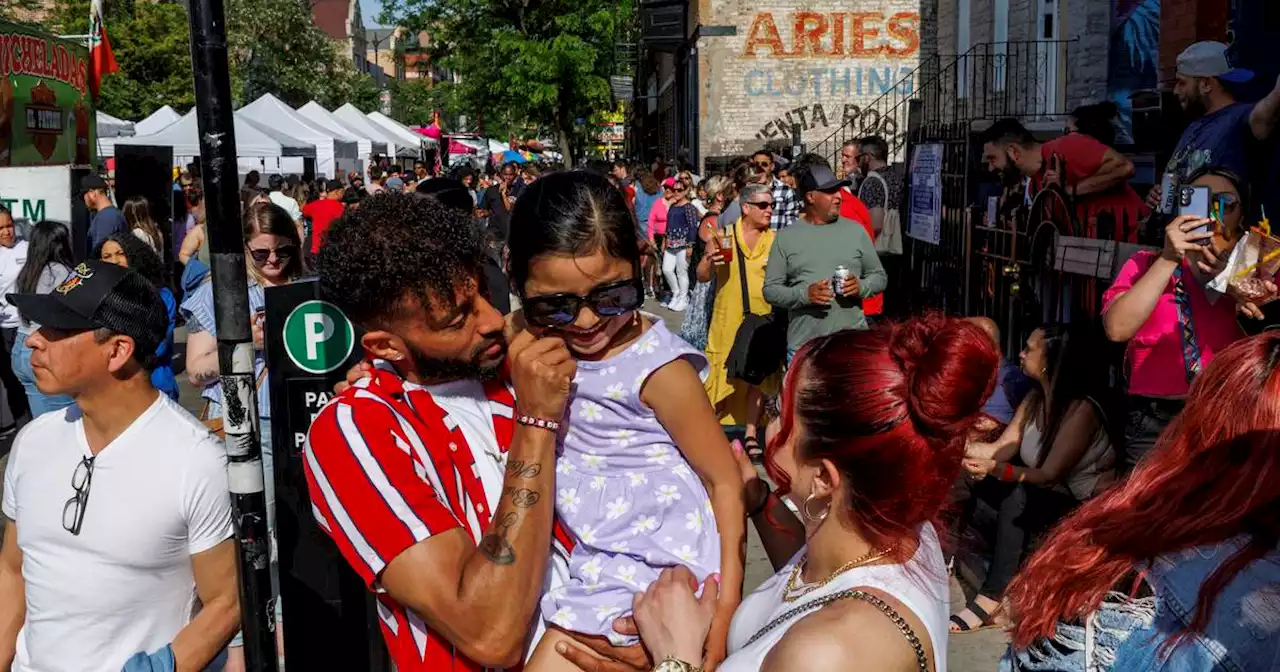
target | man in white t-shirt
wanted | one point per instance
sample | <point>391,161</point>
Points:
<point>286,202</point>
<point>117,549</point>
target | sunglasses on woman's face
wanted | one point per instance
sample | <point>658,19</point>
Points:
<point>283,254</point>
<point>560,310</point>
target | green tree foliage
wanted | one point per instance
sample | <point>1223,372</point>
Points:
<point>152,46</point>
<point>413,102</point>
<point>528,63</point>
<point>10,9</point>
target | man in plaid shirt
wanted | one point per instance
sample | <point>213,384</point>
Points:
<point>786,207</point>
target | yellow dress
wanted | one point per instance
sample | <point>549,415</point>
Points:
<point>730,396</point>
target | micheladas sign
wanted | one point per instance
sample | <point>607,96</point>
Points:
<point>46,115</point>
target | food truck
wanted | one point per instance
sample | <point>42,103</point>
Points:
<point>46,126</point>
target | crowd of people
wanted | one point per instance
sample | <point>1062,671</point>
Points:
<point>530,468</point>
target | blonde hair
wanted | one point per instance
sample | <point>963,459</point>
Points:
<point>272,219</point>
<point>718,188</point>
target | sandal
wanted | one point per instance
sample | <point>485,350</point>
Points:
<point>985,621</point>
<point>754,451</point>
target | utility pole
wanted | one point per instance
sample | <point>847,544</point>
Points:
<point>235,338</point>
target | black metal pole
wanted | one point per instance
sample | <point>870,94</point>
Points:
<point>235,339</point>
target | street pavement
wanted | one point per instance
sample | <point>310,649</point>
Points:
<point>974,652</point>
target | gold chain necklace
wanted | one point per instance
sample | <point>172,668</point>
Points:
<point>789,594</point>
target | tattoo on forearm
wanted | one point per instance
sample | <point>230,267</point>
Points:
<point>522,469</point>
<point>495,546</point>
<point>523,498</point>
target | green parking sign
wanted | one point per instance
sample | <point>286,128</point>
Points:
<point>318,337</point>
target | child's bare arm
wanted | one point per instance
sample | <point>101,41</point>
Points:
<point>677,397</point>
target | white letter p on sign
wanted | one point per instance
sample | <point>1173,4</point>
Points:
<point>318,328</point>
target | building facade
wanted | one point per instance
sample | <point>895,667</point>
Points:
<point>342,22</point>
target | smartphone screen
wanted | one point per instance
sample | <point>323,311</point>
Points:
<point>1194,201</point>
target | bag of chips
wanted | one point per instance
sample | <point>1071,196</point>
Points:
<point>1254,262</point>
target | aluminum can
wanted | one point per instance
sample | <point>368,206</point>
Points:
<point>838,278</point>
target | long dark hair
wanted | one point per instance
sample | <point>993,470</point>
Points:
<point>570,214</point>
<point>141,257</point>
<point>1097,121</point>
<point>48,243</point>
<point>1213,476</point>
<point>137,214</point>
<point>1076,372</point>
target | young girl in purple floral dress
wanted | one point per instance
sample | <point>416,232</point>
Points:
<point>645,478</point>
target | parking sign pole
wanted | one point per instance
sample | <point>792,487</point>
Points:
<point>235,338</point>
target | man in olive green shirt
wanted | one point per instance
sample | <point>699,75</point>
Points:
<point>805,256</point>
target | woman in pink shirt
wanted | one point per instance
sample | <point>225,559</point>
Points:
<point>657,229</point>
<point>1173,326</point>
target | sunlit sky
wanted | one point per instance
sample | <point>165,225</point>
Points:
<point>370,9</point>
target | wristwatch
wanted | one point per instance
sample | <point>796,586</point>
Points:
<point>673,664</point>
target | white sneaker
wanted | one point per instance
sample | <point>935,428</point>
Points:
<point>678,305</point>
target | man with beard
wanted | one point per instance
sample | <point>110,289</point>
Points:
<point>1093,174</point>
<point>1224,131</point>
<point>435,476</point>
<point>805,255</point>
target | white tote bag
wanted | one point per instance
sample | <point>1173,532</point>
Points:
<point>889,240</point>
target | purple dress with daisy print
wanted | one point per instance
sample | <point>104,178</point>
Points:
<point>625,491</point>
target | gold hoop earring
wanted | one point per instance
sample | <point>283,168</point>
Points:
<point>804,510</point>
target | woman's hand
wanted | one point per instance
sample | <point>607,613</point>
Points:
<point>980,450</point>
<point>978,467</point>
<point>259,330</point>
<point>674,622</point>
<point>362,369</point>
<point>1181,237</point>
<point>1247,305</point>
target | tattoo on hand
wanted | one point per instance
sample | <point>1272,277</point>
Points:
<point>521,469</point>
<point>523,498</point>
<point>495,546</point>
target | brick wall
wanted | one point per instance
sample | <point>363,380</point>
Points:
<point>1183,22</point>
<point>769,74</point>
<point>1090,24</point>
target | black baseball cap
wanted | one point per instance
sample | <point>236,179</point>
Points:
<point>820,178</point>
<point>333,185</point>
<point>99,295</point>
<point>91,182</point>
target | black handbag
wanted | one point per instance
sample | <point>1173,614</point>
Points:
<point>761,340</point>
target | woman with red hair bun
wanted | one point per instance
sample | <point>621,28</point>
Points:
<point>1178,569</point>
<point>869,443</point>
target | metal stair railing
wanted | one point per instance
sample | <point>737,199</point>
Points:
<point>1025,80</point>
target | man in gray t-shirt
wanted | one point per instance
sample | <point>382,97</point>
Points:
<point>806,254</point>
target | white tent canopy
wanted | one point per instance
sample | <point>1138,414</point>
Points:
<point>399,130</point>
<point>322,118</point>
<point>157,121</point>
<point>113,127</point>
<point>334,153</point>
<point>252,140</point>
<point>356,119</point>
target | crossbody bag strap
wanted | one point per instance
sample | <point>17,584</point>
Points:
<point>742,274</point>
<point>905,628</point>
<point>257,385</point>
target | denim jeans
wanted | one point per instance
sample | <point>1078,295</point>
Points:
<point>39,402</point>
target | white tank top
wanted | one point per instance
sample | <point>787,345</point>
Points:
<point>920,584</point>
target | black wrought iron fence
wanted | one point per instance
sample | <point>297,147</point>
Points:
<point>1026,80</point>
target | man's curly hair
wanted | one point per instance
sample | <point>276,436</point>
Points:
<point>397,247</point>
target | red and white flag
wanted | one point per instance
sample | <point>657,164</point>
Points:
<point>101,60</point>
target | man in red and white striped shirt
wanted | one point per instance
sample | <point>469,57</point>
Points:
<point>433,481</point>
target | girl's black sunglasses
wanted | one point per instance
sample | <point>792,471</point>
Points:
<point>560,310</point>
